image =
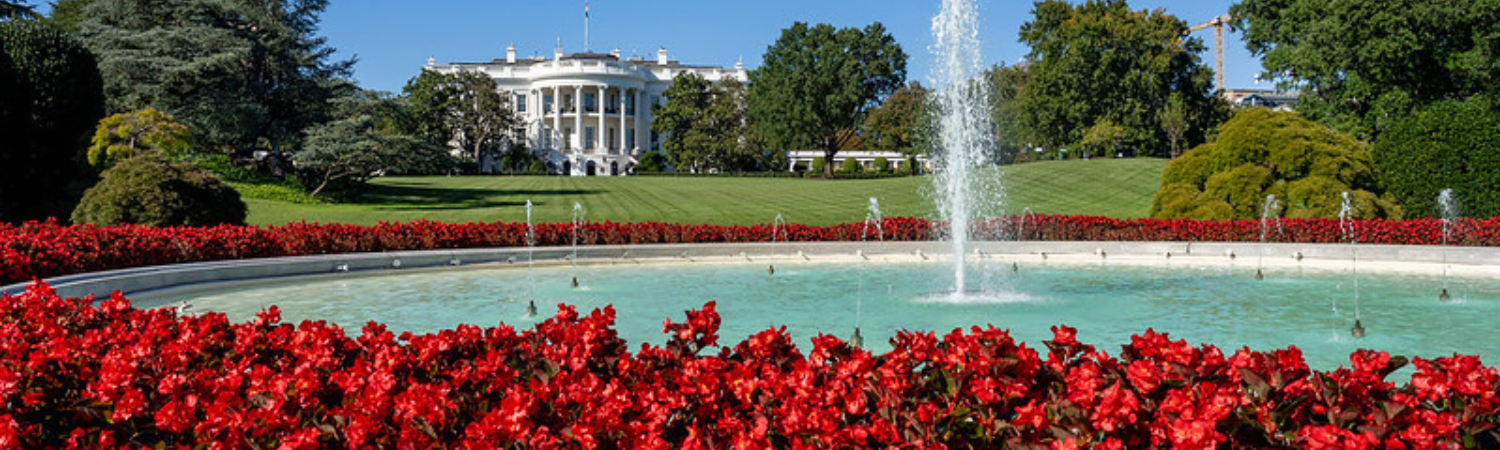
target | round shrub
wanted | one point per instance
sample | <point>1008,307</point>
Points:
<point>817,165</point>
<point>851,166</point>
<point>147,190</point>
<point>1262,152</point>
<point>882,165</point>
<point>1450,144</point>
<point>125,135</point>
<point>651,162</point>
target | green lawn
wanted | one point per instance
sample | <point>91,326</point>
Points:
<point>1116,188</point>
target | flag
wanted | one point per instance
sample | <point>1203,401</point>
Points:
<point>585,9</point>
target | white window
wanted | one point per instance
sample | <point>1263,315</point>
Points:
<point>521,103</point>
<point>588,138</point>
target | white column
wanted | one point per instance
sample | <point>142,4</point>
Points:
<point>624,147</point>
<point>556,132</point>
<point>577,139</point>
<point>600,135</point>
<point>642,130</point>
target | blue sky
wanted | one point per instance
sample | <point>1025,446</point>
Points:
<point>392,39</point>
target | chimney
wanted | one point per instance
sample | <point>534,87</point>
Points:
<point>661,56</point>
<point>740,65</point>
<point>431,61</point>
<point>615,53</point>
<point>510,54</point>
<point>557,54</point>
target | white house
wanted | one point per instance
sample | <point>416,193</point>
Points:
<point>587,114</point>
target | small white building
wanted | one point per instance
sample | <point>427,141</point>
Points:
<point>866,159</point>
<point>587,114</point>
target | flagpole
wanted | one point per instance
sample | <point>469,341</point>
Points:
<point>585,26</point>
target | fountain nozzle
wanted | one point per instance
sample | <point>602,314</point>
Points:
<point>857,340</point>
<point>1014,267</point>
<point>1259,276</point>
<point>771,270</point>
<point>1444,296</point>
<point>1358,330</point>
<point>575,282</point>
<point>531,309</point>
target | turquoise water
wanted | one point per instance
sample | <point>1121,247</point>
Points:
<point>1226,307</point>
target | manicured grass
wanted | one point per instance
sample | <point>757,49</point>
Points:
<point>1116,188</point>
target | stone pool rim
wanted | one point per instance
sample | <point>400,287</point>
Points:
<point>1461,261</point>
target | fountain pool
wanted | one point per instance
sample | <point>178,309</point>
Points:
<point>1220,304</point>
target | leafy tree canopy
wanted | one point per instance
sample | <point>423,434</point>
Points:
<point>1359,64</point>
<point>125,135</point>
<point>1101,60</point>
<point>1260,152</point>
<point>901,122</point>
<point>345,153</point>
<point>244,74</point>
<point>465,108</point>
<point>705,127</point>
<point>817,83</point>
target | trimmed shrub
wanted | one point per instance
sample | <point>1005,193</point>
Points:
<point>1262,152</point>
<point>817,166</point>
<point>147,190</point>
<point>882,165</point>
<point>652,162</point>
<point>850,165</point>
<point>1450,144</point>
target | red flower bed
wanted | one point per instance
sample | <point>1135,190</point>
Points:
<point>76,374</point>
<point>47,249</point>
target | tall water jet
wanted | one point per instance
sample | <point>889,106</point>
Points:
<point>1346,226</point>
<point>577,223</point>
<point>530,251</point>
<point>1449,209</point>
<point>1269,209</point>
<point>964,140</point>
<point>873,220</point>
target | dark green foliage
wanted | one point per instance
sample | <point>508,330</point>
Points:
<point>817,83</point>
<point>704,126</point>
<point>50,100</point>
<point>818,166</point>
<point>881,165</point>
<point>1099,61</point>
<point>148,190</point>
<point>1361,64</point>
<point>465,107</point>
<point>652,162</point>
<point>901,123</point>
<point>343,154</point>
<point>69,14</point>
<point>1260,152</point>
<point>851,166</point>
<point>243,74</point>
<point>1450,144</point>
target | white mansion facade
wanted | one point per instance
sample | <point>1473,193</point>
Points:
<point>587,114</point>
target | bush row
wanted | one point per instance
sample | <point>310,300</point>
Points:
<point>47,249</point>
<point>75,374</point>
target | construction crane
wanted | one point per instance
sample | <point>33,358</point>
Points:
<point>1218,24</point>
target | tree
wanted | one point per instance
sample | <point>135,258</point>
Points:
<point>480,117</point>
<point>430,98</point>
<point>1103,61</point>
<point>1012,138</point>
<point>122,136</point>
<point>1359,65</point>
<point>69,14</point>
<point>817,83</point>
<point>347,152</point>
<point>50,99</point>
<point>704,126</point>
<point>1174,121</point>
<point>1451,144</point>
<point>148,190</point>
<point>1261,152</point>
<point>900,123</point>
<point>244,75</point>
<point>1103,138</point>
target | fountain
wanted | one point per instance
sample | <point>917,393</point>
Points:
<point>964,139</point>
<point>577,223</point>
<point>1271,208</point>
<point>1449,208</point>
<point>873,218</point>
<point>1346,227</point>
